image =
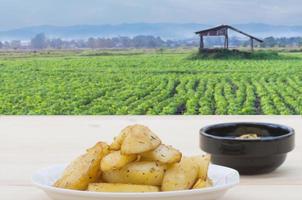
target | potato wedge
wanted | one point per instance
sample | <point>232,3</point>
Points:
<point>83,170</point>
<point>164,154</point>
<point>141,173</point>
<point>180,176</point>
<point>117,141</point>
<point>200,183</point>
<point>119,187</point>
<point>203,162</point>
<point>115,160</point>
<point>138,139</point>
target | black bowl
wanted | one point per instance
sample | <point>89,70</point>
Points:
<point>248,156</point>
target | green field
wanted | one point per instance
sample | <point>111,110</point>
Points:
<point>155,83</point>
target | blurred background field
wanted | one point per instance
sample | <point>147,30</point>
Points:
<point>149,81</point>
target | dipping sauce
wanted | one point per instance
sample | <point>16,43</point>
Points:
<point>249,136</point>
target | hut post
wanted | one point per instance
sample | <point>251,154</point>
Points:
<point>201,46</point>
<point>226,40</point>
<point>252,44</point>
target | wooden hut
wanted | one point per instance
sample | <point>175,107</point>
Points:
<point>222,30</point>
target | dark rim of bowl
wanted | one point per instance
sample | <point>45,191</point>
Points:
<point>290,131</point>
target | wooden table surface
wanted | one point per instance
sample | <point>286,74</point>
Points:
<point>30,143</point>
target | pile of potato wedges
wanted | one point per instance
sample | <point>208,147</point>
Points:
<point>136,161</point>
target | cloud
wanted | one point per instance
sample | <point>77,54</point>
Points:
<point>19,13</point>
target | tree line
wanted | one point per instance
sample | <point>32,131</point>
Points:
<point>40,41</point>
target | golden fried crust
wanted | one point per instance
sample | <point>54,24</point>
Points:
<point>139,139</point>
<point>141,173</point>
<point>180,176</point>
<point>83,170</point>
<point>115,160</point>
<point>119,187</point>
<point>163,154</point>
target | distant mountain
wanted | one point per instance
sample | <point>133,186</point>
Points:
<point>164,30</point>
<point>266,30</point>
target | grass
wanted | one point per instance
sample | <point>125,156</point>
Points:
<point>235,54</point>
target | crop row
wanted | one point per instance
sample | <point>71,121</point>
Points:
<point>149,84</point>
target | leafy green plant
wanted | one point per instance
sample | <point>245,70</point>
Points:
<point>151,83</point>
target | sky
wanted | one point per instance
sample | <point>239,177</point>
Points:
<point>22,13</point>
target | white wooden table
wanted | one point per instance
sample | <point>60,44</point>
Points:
<point>30,143</point>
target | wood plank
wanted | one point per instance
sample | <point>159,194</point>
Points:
<point>261,192</point>
<point>22,193</point>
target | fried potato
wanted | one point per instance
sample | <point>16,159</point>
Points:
<point>203,162</point>
<point>200,183</point>
<point>141,173</point>
<point>115,160</point>
<point>117,141</point>
<point>180,176</point>
<point>164,154</point>
<point>136,161</point>
<point>138,139</point>
<point>119,187</point>
<point>83,170</point>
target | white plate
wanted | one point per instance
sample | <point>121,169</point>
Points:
<point>223,179</point>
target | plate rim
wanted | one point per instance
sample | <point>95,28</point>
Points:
<point>56,190</point>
